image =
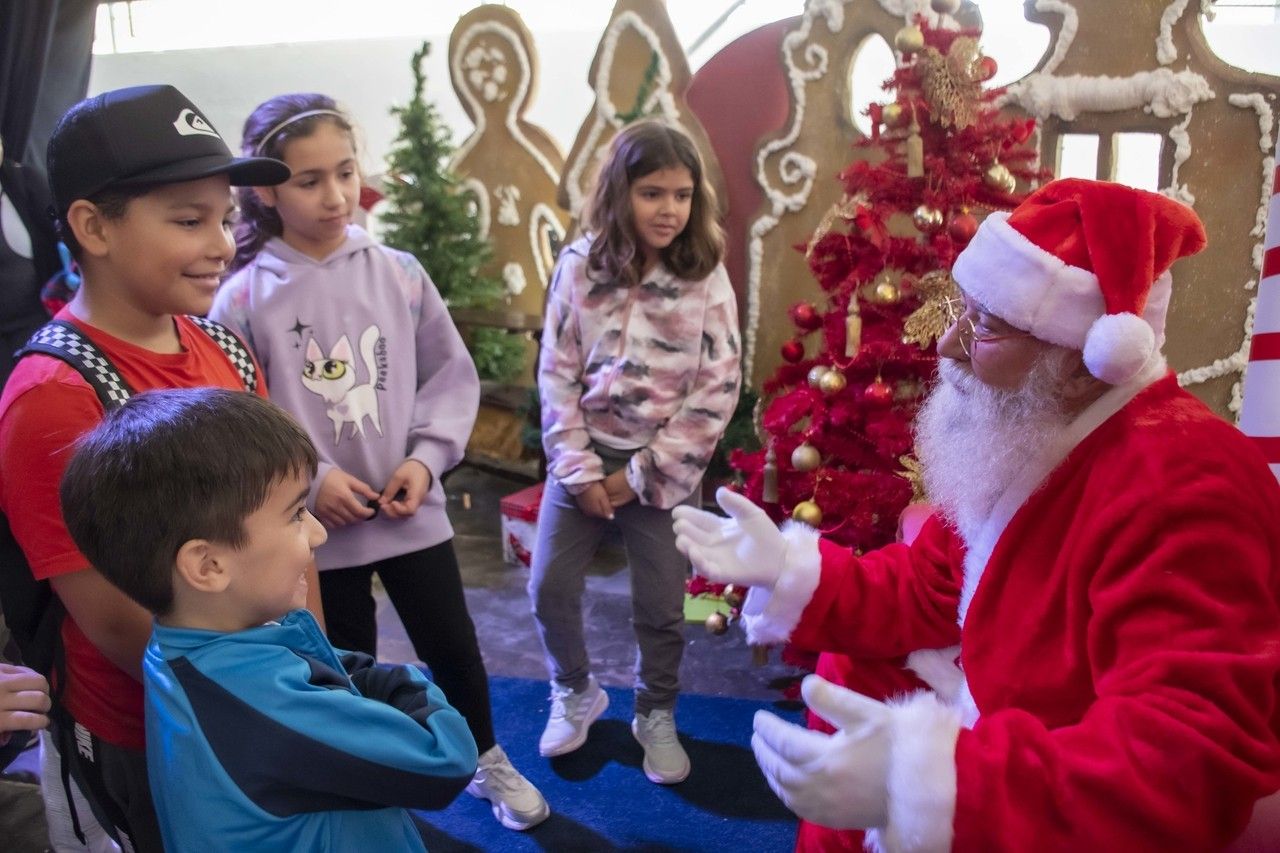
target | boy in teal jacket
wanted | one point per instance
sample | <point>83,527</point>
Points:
<point>260,735</point>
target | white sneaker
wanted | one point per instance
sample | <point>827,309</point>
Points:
<point>572,713</point>
<point>665,761</point>
<point>516,803</point>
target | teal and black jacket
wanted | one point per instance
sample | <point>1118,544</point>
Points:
<point>270,739</point>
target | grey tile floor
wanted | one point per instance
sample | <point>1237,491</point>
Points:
<point>713,665</point>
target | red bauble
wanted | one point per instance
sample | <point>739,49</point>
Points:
<point>805,316</point>
<point>792,351</point>
<point>987,68</point>
<point>962,226</point>
<point>878,393</point>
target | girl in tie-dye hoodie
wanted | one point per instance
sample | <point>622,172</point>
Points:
<point>639,374</point>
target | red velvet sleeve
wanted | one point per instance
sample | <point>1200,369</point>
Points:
<point>889,602</point>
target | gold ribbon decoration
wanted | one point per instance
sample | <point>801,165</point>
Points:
<point>928,322</point>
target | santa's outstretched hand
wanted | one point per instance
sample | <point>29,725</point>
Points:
<point>746,548</point>
<point>838,780</point>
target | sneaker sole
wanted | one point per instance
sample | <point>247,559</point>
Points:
<point>653,775</point>
<point>658,779</point>
<point>508,819</point>
<point>597,708</point>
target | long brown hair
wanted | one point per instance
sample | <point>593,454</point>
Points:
<point>260,222</point>
<point>638,150</point>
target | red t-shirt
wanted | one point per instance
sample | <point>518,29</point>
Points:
<point>45,407</point>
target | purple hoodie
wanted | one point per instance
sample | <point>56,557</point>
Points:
<point>360,349</point>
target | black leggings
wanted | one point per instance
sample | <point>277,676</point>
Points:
<point>425,587</point>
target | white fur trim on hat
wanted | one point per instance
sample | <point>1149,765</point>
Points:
<point>771,615</point>
<point>1117,347</point>
<point>1032,289</point>
<point>1038,292</point>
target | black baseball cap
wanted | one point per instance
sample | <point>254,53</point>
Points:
<point>143,135</point>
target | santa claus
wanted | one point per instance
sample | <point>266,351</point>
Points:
<point>1106,555</point>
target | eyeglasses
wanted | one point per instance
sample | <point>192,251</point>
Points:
<point>961,315</point>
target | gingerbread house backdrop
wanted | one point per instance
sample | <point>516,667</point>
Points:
<point>772,115</point>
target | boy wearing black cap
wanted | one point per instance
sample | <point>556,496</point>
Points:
<point>141,184</point>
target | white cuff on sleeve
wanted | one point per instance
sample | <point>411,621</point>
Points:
<point>771,616</point>
<point>922,777</point>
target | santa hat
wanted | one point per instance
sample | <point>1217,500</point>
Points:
<point>1084,264</point>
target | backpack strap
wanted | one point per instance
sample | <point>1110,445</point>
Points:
<point>237,353</point>
<point>64,341</point>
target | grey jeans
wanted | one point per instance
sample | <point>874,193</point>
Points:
<point>567,540</point>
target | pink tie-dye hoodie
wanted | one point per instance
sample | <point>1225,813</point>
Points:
<point>652,368</point>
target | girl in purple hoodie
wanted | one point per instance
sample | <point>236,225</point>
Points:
<point>358,346</point>
<point>638,375</point>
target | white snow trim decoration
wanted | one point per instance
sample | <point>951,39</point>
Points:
<point>524,78</point>
<point>543,221</point>
<point>1162,93</point>
<point>1066,33</point>
<point>793,167</point>
<point>1266,118</point>
<point>1238,360</point>
<point>507,196</point>
<point>513,278</point>
<point>922,776</point>
<point>1166,51</point>
<point>770,617</point>
<point>1181,139</point>
<point>1117,347</point>
<point>606,114</point>
<point>480,194</point>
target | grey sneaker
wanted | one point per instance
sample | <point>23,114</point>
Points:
<point>665,761</point>
<point>572,713</point>
<point>516,803</point>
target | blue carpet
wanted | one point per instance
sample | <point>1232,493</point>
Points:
<point>599,796</point>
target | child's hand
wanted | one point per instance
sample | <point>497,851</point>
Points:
<point>595,501</point>
<point>343,499</point>
<point>413,478</point>
<point>618,489</point>
<point>24,700</point>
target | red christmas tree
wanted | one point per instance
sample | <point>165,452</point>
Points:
<point>838,421</point>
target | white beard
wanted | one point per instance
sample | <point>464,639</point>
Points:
<point>974,440</point>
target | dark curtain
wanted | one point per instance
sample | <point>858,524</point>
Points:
<point>45,53</point>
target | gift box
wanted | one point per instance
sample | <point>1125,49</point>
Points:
<point>520,524</point>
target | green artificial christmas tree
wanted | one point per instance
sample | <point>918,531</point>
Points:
<point>433,218</point>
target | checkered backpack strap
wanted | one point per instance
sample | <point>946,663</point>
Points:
<point>234,348</point>
<point>62,340</point>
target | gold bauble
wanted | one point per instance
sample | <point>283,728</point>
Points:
<point>886,293</point>
<point>805,457</point>
<point>816,373</point>
<point>892,114</point>
<point>926,218</point>
<point>717,623</point>
<point>909,39</point>
<point>945,7</point>
<point>998,177</point>
<point>833,382</point>
<point>733,596</point>
<point>807,512</point>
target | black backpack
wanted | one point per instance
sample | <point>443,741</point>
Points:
<point>31,610</point>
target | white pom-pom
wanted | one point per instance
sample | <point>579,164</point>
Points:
<point>1117,347</point>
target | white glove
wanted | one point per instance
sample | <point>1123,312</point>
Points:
<point>838,780</point>
<point>745,548</point>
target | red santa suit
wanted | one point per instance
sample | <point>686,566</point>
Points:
<point>1119,636</point>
